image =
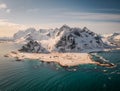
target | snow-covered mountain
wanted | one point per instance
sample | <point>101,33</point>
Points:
<point>64,39</point>
<point>112,39</point>
<point>42,34</point>
<point>76,40</point>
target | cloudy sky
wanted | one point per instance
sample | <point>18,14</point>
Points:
<point>100,16</point>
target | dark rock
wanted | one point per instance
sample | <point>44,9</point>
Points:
<point>33,47</point>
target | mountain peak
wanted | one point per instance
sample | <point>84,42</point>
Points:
<point>65,26</point>
<point>115,34</point>
<point>86,29</point>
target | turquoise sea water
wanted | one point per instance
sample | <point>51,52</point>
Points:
<point>33,75</point>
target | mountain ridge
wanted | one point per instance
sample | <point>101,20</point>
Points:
<point>63,39</point>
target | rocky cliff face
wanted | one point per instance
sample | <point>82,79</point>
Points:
<point>33,47</point>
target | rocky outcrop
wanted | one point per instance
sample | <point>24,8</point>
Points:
<point>33,47</point>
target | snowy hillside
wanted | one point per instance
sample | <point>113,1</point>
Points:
<point>64,39</point>
<point>41,34</point>
<point>76,40</point>
<point>112,39</point>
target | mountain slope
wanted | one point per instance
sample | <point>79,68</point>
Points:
<point>76,40</point>
<point>112,39</point>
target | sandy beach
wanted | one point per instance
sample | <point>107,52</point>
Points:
<point>64,59</point>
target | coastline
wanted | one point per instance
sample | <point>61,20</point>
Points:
<point>63,59</point>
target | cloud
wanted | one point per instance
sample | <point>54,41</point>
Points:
<point>63,14</point>
<point>46,10</point>
<point>33,10</point>
<point>5,8</point>
<point>8,28</point>
<point>8,10</point>
<point>5,22</point>
<point>107,9</point>
<point>84,16</point>
<point>97,22</point>
<point>66,14</point>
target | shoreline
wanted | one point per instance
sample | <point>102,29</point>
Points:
<point>63,59</point>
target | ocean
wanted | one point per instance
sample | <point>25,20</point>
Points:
<point>34,75</point>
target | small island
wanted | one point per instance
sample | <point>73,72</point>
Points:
<point>65,46</point>
<point>63,59</point>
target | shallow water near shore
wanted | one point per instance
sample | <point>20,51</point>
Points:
<point>33,75</point>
